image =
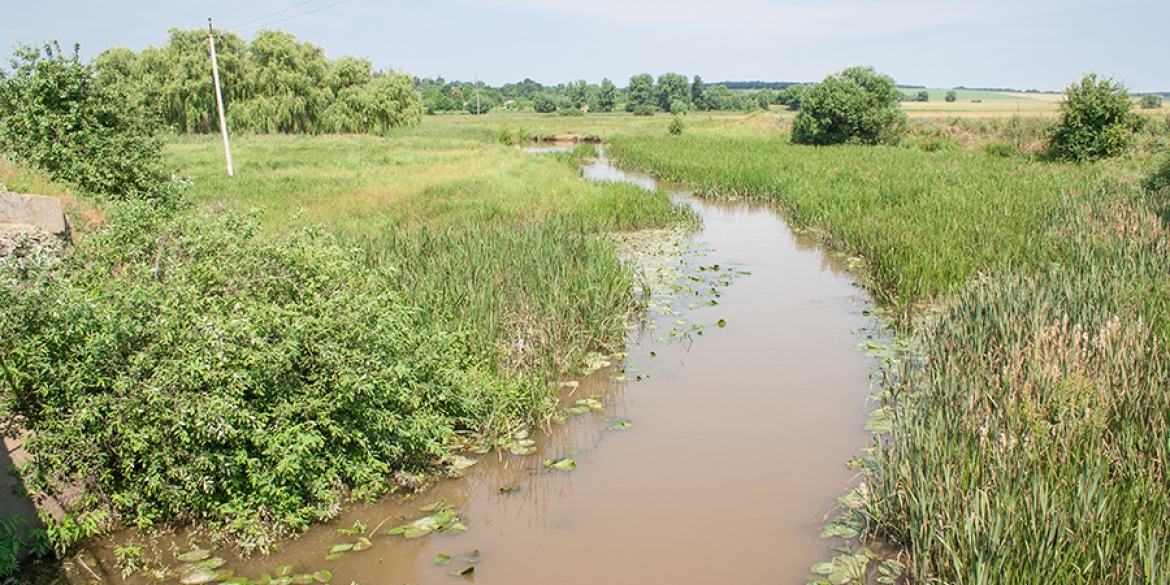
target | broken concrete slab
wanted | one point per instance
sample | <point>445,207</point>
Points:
<point>45,213</point>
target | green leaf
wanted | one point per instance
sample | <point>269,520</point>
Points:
<point>561,464</point>
<point>323,576</point>
<point>469,571</point>
<point>721,323</point>
<point>363,543</point>
<point>434,506</point>
<point>340,548</point>
<point>443,559</point>
<point>334,556</point>
<point>623,425</point>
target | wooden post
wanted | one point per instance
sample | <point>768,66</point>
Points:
<point>227,148</point>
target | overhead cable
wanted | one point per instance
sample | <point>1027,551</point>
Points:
<point>293,16</point>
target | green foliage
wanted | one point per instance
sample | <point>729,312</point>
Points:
<point>544,103</point>
<point>858,106</point>
<point>1151,101</point>
<point>607,96</point>
<point>1096,120</point>
<point>697,94</point>
<point>10,545</point>
<point>570,112</point>
<point>375,106</point>
<point>274,84</point>
<point>676,126</point>
<point>645,110</point>
<point>640,92</point>
<point>951,96</point>
<point>923,96</point>
<point>791,96</point>
<point>672,91</point>
<point>253,379</point>
<point>1001,149</point>
<point>54,115</point>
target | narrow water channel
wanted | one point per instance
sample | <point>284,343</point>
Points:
<point>734,451</point>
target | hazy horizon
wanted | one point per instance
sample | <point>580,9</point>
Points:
<point>1044,45</point>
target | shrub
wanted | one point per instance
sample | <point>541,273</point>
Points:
<point>55,116</point>
<point>1096,120</point>
<point>676,126</point>
<point>951,96</point>
<point>1151,101</point>
<point>923,96</point>
<point>229,361</point>
<point>644,110</point>
<point>544,103</point>
<point>857,105</point>
<point>570,112</point>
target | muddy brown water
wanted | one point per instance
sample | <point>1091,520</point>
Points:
<point>736,449</point>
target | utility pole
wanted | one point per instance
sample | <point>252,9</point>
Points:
<point>227,148</point>
<point>476,94</point>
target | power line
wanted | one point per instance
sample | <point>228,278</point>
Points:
<point>265,17</point>
<point>237,8</point>
<point>294,16</point>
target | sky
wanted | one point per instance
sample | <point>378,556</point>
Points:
<point>1023,44</point>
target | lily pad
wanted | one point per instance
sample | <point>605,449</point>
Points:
<point>561,464</point>
<point>445,521</point>
<point>340,548</point>
<point>621,426</point>
<point>302,579</point>
<point>469,571</point>
<point>193,556</point>
<point>322,576</point>
<point>285,580</point>
<point>284,570</point>
<point>363,543</point>
<point>334,556</point>
<point>443,559</point>
<point>213,563</point>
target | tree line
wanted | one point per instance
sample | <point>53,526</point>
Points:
<point>275,83</point>
<point>644,95</point>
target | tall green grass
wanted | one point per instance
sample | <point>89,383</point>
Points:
<point>924,222</point>
<point>1031,426</point>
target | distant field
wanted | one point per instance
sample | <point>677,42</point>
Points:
<point>973,103</point>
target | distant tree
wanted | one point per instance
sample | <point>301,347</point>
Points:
<point>544,103</point>
<point>1151,101</point>
<point>697,97</point>
<point>375,106</point>
<point>673,88</point>
<point>791,96</point>
<point>640,92</point>
<point>765,97</point>
<point>858,105</point>
<point>924,96</point>
<point>1096,120</point>
<point>606,96</point>
<point>951,96</point>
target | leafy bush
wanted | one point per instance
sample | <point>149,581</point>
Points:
<point>645,110</point>
<point>253,380</point>
<point>544,103</point>
<point>1096,120</point>
<point>55,116</point>
<point>857,106</point>
<point>570,112</point>
<point>951,96</point>
<point>1151,101</point>
<point>923,96</point>
<point>676,126</point>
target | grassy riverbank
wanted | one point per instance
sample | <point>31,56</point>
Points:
<point>298,335</point>
<point>1030,427</point>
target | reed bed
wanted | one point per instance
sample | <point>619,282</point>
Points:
<point>1030,423</point>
